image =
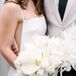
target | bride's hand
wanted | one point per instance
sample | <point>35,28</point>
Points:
<point>14,47</point>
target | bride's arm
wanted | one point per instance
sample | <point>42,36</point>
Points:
<point>8,24</point>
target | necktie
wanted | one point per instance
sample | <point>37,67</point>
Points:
<point>62,7</point>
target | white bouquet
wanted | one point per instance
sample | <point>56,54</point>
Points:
<point>44,54</point>
<point>34,59</point>
<point>62,54</point>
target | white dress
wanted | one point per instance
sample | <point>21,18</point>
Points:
<point>32,26</point>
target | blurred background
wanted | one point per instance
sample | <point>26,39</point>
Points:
<point>4,66</point>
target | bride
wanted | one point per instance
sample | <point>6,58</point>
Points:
<point>19,19</point>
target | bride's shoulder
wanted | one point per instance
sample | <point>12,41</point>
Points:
<point>10,9</point>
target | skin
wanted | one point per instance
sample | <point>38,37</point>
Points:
<point>14,47</point>
<point>11,27</point>
<point>8,19</point>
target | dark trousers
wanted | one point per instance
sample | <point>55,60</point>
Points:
<point>71,73</point>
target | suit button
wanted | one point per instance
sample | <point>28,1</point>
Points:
<point>62,28</point>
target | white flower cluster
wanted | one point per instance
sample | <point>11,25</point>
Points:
<point>45,54</point>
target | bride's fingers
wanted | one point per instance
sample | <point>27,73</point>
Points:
<point>15,51</point>
<point>14,47</point>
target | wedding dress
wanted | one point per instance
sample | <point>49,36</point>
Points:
<point>32,26</point>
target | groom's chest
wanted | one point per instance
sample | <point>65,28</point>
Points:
<point>52,13</point>
<point>56,2</point>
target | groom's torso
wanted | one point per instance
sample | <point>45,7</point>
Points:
<point>56,27</point>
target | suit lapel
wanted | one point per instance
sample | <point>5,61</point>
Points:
<point>56,11</point>
<point>52,11</point>
<point>56,14</point>
<point>66,15</point>
<point>68,8</point>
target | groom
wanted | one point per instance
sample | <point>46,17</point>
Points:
<point>61,16</point>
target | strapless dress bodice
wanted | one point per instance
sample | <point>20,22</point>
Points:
<point>31,27</point>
